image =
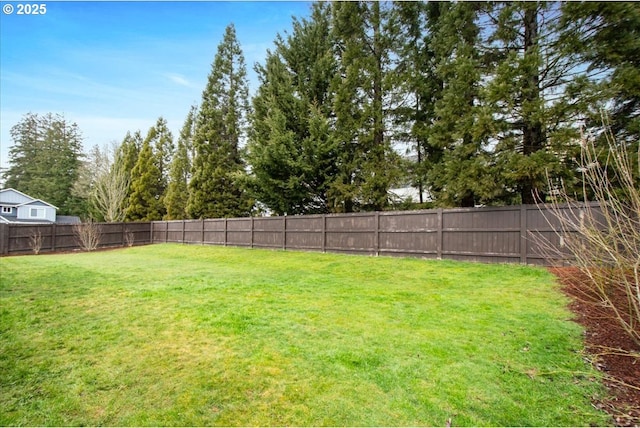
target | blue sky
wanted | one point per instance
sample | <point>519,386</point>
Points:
<point>113,67</point>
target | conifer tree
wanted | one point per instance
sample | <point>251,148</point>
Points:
<point>161,140</point>
<point>45,160</point>
<point>180,171</point>
<point>415,84</point>
<point>534,114</point>
<point>459,175</point>
<point>145,202</point>
<point>292,162</point>
<point>606,36</point>
<point>366,161</point>
<point>218,170</point>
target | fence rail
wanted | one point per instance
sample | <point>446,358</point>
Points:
<point>493,235</point>
<point>17,238</point>
<point>526,234</point>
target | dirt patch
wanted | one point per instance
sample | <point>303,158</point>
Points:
<point>608,348</point>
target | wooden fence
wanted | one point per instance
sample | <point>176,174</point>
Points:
<point>17,238</point>
<point>493,235</point>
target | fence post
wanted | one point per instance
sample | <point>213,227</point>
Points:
<point>202,233</point>
<point>439,234</point>
<point>54,233</point>
<point>523,234</point>
<point>183,227</point>
<point>376,238</point>
<point>284,232</point>
<point>4,239</point>
<point>324,233</point>
<point>225,231</point>
<point>252,226</point>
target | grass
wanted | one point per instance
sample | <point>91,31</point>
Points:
<point>191,335</point>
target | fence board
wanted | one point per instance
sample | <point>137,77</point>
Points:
<point>17,238</point>
<point>492,235</point>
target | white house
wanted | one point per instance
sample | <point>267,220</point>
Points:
<point>16,207</point>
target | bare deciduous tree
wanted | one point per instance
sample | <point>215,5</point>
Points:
<point>88,234</point>
<point>111,186</point>
<point>129,238</point>
<point>35,241</point>
<point>603,239</point>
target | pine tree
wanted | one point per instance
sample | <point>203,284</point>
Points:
<point>177,195</point>
<point>368,166</point>
<point>606,36</point>
<point>534,112</point>
<point>161,141</point>
<point>218,170</point>
<point>458,176</point>
<point>415,84</point>
<point>292,162</point>
<point>127,157</point>
<point>145,200</point>
<point>45,160</point>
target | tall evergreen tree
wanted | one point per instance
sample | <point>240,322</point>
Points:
<point>367,163</point>
<point>215,186</point>
<point>534,114</point>
<point>145,202</point>
<point>127,157</point>
<point>606,35</point>
<point>292,163</point>
<point>459,175</point>
<point>177,195</point>
<point>415,84</point>
<point>161,141</point>
<point>45,160</point>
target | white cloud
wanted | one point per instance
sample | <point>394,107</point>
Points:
<point>179,79</point>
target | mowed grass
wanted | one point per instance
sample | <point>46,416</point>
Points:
<point>192,335</point>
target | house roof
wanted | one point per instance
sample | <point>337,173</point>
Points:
<point>31,199</point>
<point>38,201</point>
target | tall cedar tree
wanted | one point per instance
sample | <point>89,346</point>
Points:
<point>218,170</point>
<point>161,140</point>
<point>606,35</point>
<point>534,114</point>
<point>177,195</point>
<point>367,163</point>
<point>127,156</point>
<point>145,201</point>
<point>415,85</point>
<point>291,148</point>
<point>45,160</point>
<point>459,177</point>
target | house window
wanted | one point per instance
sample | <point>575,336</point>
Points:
<point>37,213</point>
<point>6,210</point>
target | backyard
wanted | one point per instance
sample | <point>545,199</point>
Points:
<point>194,335</point>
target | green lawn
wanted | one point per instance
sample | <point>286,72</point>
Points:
<point>193,335</point>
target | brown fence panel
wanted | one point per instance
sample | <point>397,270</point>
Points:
<point>515,234</point>
<point>412,233</point>
<point>214,231</point>
<point>19,238</point>
<point>193,231</point>
<point>304,232</point>
<point>351,233</point>
<point>268,232</point>
<point>239,232</point>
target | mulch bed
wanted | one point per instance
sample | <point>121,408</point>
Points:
<point>604,339</point>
